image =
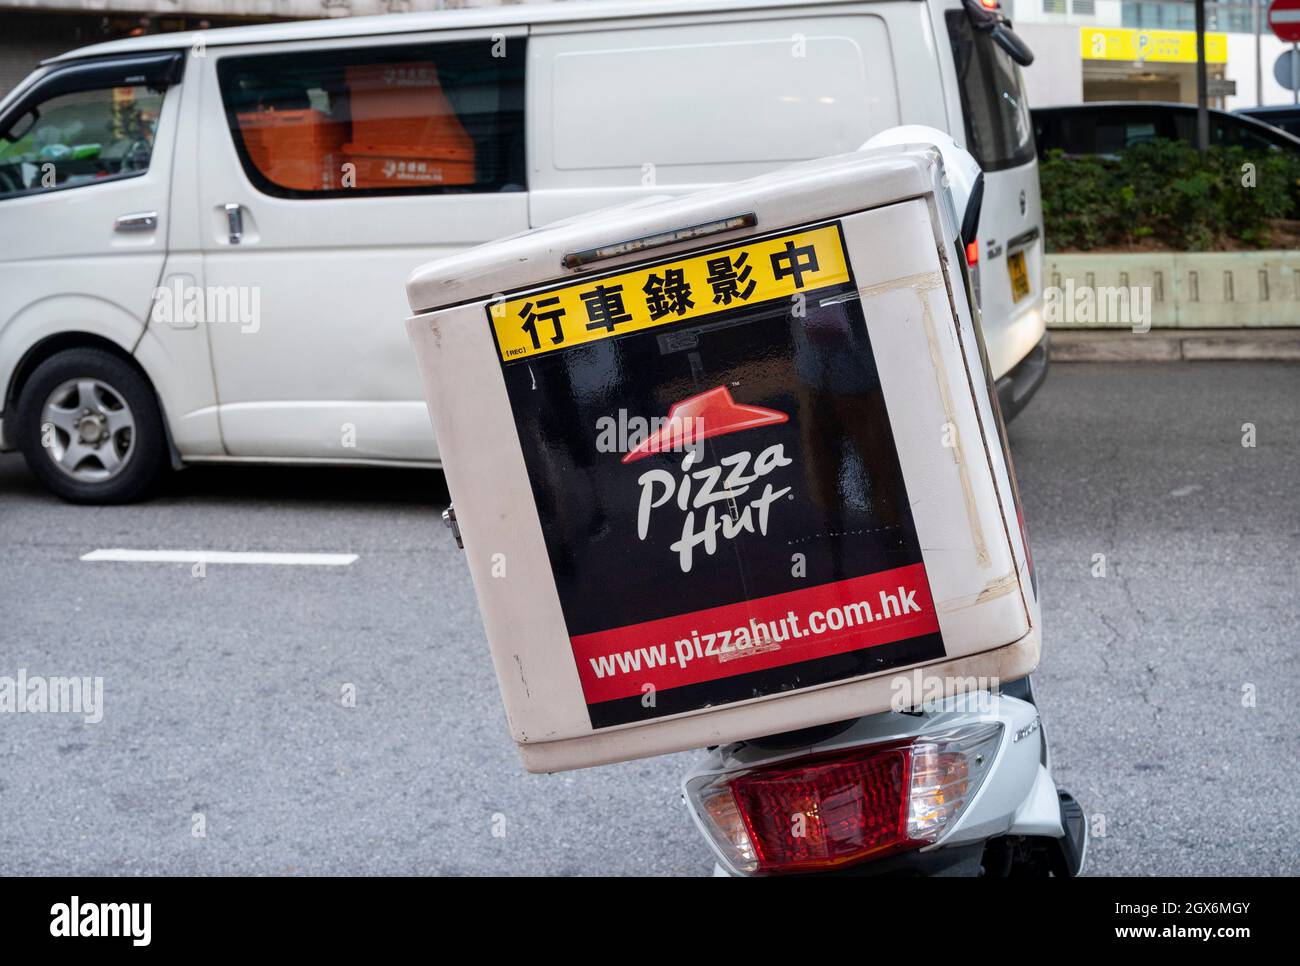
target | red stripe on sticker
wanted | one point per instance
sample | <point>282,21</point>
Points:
<point>754,635</point>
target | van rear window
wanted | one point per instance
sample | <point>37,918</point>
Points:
<point>413,118</point>
<point>998,129</point>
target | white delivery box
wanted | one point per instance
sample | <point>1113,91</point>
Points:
<point>728,465</point>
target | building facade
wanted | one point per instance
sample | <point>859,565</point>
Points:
<point>1145,50</point>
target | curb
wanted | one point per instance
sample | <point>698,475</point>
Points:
<point>1166,345</point>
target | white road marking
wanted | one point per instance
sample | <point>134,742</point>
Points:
<point>119,555</point>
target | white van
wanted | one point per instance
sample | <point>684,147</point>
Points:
<point>204,238</point>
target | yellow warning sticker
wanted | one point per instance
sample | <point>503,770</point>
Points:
<point>669,292</point>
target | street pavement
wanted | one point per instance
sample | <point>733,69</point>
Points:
<point>1169,685</point>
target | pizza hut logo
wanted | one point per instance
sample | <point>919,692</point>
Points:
<point>718,502</point>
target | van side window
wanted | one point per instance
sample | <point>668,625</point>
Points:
<point>1229,133</point>
<point>80,138</point>
<point>998,129</point>
<point>444,117</point>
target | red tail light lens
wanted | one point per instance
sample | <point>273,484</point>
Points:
<point>819,814</point>
<point>973,253</point>
<point>842,807</point>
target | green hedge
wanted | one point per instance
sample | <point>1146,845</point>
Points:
<point>1166,194</point>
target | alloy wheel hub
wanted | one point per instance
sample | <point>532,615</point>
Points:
<point>88,430</point>
<point>92,428</point>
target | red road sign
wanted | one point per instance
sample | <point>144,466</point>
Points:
<point>1284,19</point>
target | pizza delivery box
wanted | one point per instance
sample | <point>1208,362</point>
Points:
<point>729,464</point>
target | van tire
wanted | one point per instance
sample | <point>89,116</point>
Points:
<point>108,424</point>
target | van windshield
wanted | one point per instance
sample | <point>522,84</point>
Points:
<point>998,129</point>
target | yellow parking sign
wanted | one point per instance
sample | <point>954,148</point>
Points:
<point>1152,46</point>
<point>667,292</point>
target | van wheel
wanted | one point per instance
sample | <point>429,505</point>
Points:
<point>90,428</point>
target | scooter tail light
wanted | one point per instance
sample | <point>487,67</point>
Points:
<point>727,827</point>
<point>843,807</point>
<point>946,774</point>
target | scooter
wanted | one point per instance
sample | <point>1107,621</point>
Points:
<point>958,785</point>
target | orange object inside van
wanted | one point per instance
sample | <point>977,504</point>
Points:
<point>298,149</point>
<point>404,129</point>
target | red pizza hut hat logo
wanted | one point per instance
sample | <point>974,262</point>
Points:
<point>720,502</point>
<point>712,413</point>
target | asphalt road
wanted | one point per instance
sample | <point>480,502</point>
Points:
<point>222,693</point>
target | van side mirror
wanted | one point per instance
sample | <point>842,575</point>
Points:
<point>18,130</point>
<point>990,19</point>
<point>1010,41</point>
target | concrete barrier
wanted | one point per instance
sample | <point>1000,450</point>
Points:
<point>1187,289</point>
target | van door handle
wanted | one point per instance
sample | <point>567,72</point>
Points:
<point>235,223</point>
<point>136,221</point>
<point>1023,240</point>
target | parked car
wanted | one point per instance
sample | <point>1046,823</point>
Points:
<point>1284,116</point>
<point>1108,127</point>
<point>207,235</point>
